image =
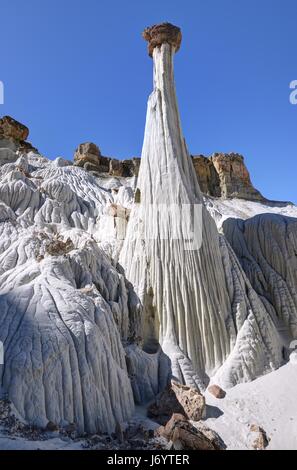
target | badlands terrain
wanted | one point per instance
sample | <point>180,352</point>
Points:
<point>117,311</point>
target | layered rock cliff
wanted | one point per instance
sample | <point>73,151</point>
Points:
<point>89,157</point>
<point>225,175</point>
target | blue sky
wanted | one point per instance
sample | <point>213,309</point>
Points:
<point>77,70</point>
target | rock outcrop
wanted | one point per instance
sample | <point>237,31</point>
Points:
<point>225,175</point>
<point>208,178</point>
<point>184,436</point>
<point>131,166</point>
<point>89,157</point>
<point>124,168</point>
<point>162,33</point>
<point>13,135</point>
<point>12,129</point>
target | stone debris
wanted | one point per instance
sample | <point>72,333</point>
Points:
<point>262,440</point>
<point>216,391</point>
<point>185,436</point>
<point>180,399</point>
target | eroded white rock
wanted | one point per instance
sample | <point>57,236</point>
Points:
<point>64,306</point>
<point>198,304</point>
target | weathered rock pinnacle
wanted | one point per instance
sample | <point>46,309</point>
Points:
<point>188,294</point>
<point>157,34</point>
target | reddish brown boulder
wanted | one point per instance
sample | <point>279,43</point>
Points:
<point>216,391</point>
<point>158,34</point>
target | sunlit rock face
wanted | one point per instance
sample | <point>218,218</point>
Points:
<point>10,128</point>
<point>197,303</point>
<point>225,175</point>
<point>13,136</point>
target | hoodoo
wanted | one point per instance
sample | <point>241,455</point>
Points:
<point>197,302</point>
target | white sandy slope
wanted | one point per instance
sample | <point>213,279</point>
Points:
<point>269,401</point>
<point>223,209</point>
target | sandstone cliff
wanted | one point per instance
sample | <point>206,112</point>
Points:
<point>225,175</point>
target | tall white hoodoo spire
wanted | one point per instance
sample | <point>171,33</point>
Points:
<point>197,303</point>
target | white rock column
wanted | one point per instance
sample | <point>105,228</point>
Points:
<point>187,306</point>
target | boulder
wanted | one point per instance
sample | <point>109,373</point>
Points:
<point>261,441</point>
<point>59,247</point>
<point>161,33</point>
<point>184,436</point>
<point>216,391</point>
<point>180,399</point>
